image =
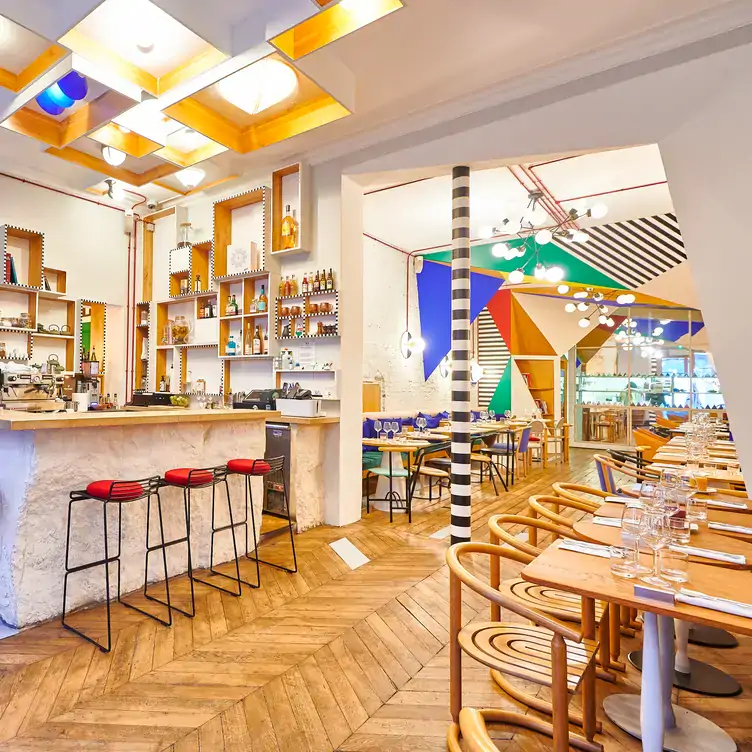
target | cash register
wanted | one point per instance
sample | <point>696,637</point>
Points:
<point>256,399</point>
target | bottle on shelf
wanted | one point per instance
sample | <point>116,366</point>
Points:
<point>329,281</point>
<point>228,307</point>
<point>232,347</point>
<point>235,309</point>
<point>294,285</point>
<point>257,342</point>
<point>289,230</point>
<point>197,284</point>
<point>287,287</point>
<point>253,307</point>
<point>323,280</point>
<point>263,301</point>
<point>116,402</point>
<point>248,340</point>
<point>317,283</point>
<point>281,287</point>
<point>265,347</point>
<point>162,384</point>
<point>305,284</point>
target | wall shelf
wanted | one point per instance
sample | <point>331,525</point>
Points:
<point>290,187</point>
<point>223,231</point>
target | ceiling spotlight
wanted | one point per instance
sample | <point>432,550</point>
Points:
<point>570,307</point>
<point>115,191</point>
<point>259,86</point>
<point>113,156</point>
<point>582,306</point>
<point>584,322</point>
<point>145,43</point>
<point>578,236</point>
<point>562,289</point>
<point>554,273</point>
<point>516,277</point>
<point>598,211</point>
<point>580,294</point>
<point>543,236</point>
<point>190,177</point>
<point>625,299</point>
<point>540,271</point>
<point>485,232</point>
<point>499,250</point>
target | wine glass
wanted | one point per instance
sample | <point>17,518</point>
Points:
<point>391,427</point>
<point>631,524</point>
<point>492,414</point>
<point>377,427</point>
<point>669,478</point>
<point>422,423</point>
<point>507,414</point>
<point>655,531</point>
<point>397,429</point>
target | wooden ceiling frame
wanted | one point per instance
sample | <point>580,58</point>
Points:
<point>188,159</point>
<point>18,81</point>
<point>155,85</point>
<point>129,142</point>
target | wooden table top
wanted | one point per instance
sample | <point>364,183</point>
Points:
<point>591,577</point>
<point>718,475</point>
<point>403,446</point>
<point>680,458</point>
<point>703,538</point>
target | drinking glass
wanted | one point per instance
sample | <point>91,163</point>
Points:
<point>655,532</point>
<point>621,562</point>
<point>397,428</point>
<point>631,524</point>
<point>484,415</point>
<point>697,509</point>
<point>674,566</point>
<point>507,414</point>
<point>377,427</point>
<point>670,478</point>
<point>647,493</point>
<point>679,527</point>
<point>492,414</point>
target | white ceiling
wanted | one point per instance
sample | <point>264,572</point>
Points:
<point>418,215</point>
<point>430,52</point>
<point>19,46</point>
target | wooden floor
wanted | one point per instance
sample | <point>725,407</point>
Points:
<point>327,659</point>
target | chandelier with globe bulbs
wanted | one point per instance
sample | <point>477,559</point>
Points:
<point>525,225</point>
<point>591,302</point>
<point>630,339</point>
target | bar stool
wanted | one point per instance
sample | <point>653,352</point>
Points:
<point>106,492</point>
<point>273,471</point>
<point>193,479</point>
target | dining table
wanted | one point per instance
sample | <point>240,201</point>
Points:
<point>651,716</point>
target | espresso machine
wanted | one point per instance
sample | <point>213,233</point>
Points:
<point>32,392</point>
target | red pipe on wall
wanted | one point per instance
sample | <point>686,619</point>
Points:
<point>128,323</point>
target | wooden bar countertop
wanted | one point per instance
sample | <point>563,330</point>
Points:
<point>294,420</point>
<point>16,420</point>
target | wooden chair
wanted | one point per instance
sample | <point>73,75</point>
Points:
<point>648,442</point>
<point>549,652</point>
<point>555,437</point>
<point>666,423</point>
<point>605,467</point>
<point>538,436</point>
<point>577,492</point>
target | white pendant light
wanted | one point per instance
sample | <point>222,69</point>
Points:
<point>602,319</point>
<point>259,86</point>
<point>485,232</point>
<point>512,226</point>
<point>570,307</point>
<point>543,236</point>
<point>598,211</point>
<point>610,322</point>
<point>405,341</point>
<point>476,372</point>
<point>582,306</point>
<point>584,323</point>
<point>499,250</point>
<point>540,271</point>
<point>625,299</point>
<point>418,344</point>
<point>580,294</point>
<point>516,277</point>
<point>554,273</point>
<point>578,236</point>
<point>113,156</point>
<point>665,321</point>
<point>657,331</point>
<point>562,289</point>
<point>190,177</point>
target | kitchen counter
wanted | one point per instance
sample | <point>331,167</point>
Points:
<point>295,421</point>
<point>40,465</point>
<point>16,420</point>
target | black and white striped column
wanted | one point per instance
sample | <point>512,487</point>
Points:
<point>460,354</point>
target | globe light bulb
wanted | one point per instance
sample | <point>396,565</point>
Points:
<point>113,156</point>
<point>570,307</point>
<point>602,319</point>
<point>418,344</point>
<point>580,294</point>
<point>582,306</point>
<point>598,211</point>
<point>598,296</point>
<point>657,331</point>
<point>562,289</point>
<point>603,308</point>
<point>536,217</point>
<point>554,273</point>
<point>625,299</point>
<point>516,277</point>
<point>543,236</point>
<point>476,372</point>
<point>512,226</point>
<point>580,237</point>
<point>499,250</point>
<point>665,321</point>
<point>540,271</point>
<point>610,322</point>
<point>485,232</point>
<point>584,322</point>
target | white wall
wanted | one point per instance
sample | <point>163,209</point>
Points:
<point>383,324</point>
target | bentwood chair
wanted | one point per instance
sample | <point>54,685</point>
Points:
<point>606,466</point>
<point>549,652</point>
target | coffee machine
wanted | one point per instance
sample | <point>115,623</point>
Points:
<point>33,392</point>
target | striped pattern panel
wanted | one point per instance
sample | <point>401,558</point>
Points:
<point>493,355</point>
<point>460,452</point>
<point>635,251</point>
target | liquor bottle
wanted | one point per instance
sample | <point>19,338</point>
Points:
<point>330,281</point>
<point>234,307</point>
<point>287,287</point>
<point>323,280</point>
<point>228,307</point>
<point>162,385</point>
<point>317,283</point>
<point>265,347</point>
<point>232,347</point>
<point>253,307</point>
<point>257,342</point>
<point>263,301</point>
<point>289,230</point>
<point>197,284</point>
<point>281,287</point>
<point>93,356</point>
<point>107,401</point>
<point>116,402</point>
<point>305,284</point>
<point>248,342</point>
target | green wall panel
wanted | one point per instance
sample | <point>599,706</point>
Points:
<point>550,254</point>
<point>502,399</point>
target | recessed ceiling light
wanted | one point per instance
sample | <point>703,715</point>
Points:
<point>191,176</point>
<point>259,86</point>
<point>113,156</point>
<point>145,44</point>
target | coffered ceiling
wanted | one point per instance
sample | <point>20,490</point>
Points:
<point>310,73</point>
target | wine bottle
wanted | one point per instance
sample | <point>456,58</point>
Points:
<point>257,342</point>
<point>305,284</point>
<point>317,283</point>
<point>197,284</point>
<point>330,281</point>
<point>289,230</point>
<point>263,301</point>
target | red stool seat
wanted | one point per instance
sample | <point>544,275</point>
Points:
<point>534,438</point>
<point>180,476</point>
<point>248,467</point>
<point>115,490</point>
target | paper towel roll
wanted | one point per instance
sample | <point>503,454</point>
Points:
<point>81,402</point>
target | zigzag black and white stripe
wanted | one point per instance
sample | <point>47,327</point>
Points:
<point>460,470</point>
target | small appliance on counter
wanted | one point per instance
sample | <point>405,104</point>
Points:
<point>30,391</point>
<point>297,402</point>
<point>256,399</point>
<point>149,401</point>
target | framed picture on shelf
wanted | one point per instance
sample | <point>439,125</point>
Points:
<point>238,260</point>
<point>526,377</point>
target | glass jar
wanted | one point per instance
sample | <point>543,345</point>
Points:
<point>167,333</point>
<point>24,321</point>
<point>181,330</point>
<point>185,235</point>
<point>3,351</point>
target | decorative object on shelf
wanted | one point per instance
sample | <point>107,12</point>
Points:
<point>232,347</point>
<point>289,230</point>
<point>185,235</point>
<point>167,333</point>
<point>145,349</point>
<point>238,260</point>
<point>181,331</point>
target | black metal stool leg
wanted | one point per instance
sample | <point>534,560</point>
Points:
<point>249,504</point>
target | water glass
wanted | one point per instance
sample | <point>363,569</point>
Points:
<point>697,509</point>
<point>622,562</point>
<point>631,524</point>
<point>679,526</point>
<point>655,532</point>
<point>674,566</point>
<point>670,478</point>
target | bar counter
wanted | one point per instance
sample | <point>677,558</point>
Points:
<point>45,457</point>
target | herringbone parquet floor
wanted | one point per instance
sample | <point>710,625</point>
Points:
<point>326,659</point>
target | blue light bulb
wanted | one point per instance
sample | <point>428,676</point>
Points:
<point>55,93</point>
<point>73,85</point>
<point>48,105</point>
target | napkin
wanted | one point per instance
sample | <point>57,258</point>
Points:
<point>608,521</point>
<point>581,547</point>
<point>709,553</point>
<point>693,598</point>
<point>727,504</point>
<point>621,500</point>
<point>730,528</point>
